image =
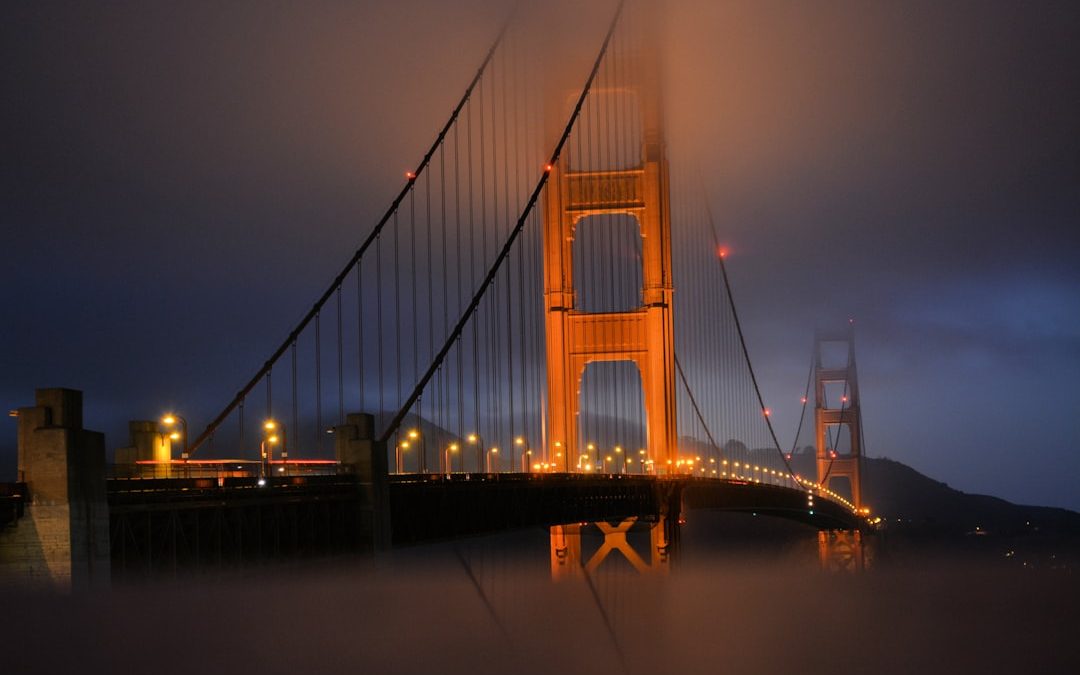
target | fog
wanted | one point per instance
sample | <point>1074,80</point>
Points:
<point>729,615</point>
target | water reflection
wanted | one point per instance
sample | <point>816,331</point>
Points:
<point>738,594</point>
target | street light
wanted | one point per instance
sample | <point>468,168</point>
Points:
<point>474,439</point>
<point>493,460</point>
<point>589,447</point>
<point>453,447</point>
<point>171,420</point>
<point>266,447</point>
<point>520,442</point>
<point>415,438</point>
<point>622,458</point>
<point>399,463</point>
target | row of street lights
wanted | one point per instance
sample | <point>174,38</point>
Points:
<point>489,457</point>
<point>273,435</point>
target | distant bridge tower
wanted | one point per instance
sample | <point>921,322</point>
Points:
<point>838,413</point>
<point>644,334</point>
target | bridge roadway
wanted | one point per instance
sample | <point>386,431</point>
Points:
<point>435,506</point>
<point>198,522</point>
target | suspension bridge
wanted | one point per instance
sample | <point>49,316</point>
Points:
<point>539,331</point>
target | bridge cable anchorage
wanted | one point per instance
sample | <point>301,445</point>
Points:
<point>489,278</point>
<point>372,237</point>
<point>742,341</point>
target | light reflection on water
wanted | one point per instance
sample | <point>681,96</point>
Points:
<point>737,598</point>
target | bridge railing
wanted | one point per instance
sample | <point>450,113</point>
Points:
<point>222,469</point>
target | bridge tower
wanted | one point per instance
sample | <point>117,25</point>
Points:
<point>643,335</point>
<point>840,413</point>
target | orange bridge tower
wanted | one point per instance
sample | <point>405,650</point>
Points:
<point>841,411</point>
<point>644,334</point>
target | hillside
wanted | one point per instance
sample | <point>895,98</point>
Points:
<point>913,501</point>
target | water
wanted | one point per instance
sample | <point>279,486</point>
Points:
<point>740,597</point>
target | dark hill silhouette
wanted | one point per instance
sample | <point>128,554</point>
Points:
<point>910,500</point>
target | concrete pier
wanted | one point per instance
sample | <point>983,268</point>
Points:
<point>364,457</point>
<point>62,539</point>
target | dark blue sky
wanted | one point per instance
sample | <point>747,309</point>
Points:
<point>178,182</point>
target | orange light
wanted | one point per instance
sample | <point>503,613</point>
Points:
<point>767,411</point>
<point>722,251</point>
<point>548,167</point>
<point>803,400</point>
<point>410,175</point>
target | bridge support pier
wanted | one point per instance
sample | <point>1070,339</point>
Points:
<point>841,550</point>
<point>365,457</point>
<point>62,540</point>
<point>567,561</point>
<point>566,550</point>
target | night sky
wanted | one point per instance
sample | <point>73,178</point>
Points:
<point>178,182</point>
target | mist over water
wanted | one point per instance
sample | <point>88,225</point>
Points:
<point>740,604</point>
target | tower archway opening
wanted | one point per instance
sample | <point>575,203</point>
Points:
<point>607,263</point>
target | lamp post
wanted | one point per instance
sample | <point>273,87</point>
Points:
<point>519,442</point>
<point>622,458</point>
<point>416,439</point>
<point>266,447</point>
<point>399,464</point>
<point>589,447</point>
<point>170,421</point>
<point>453,447</point>
<point>476,440</point>
<point>493,460</point>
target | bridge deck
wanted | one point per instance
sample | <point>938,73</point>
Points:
<point>167,524</point>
